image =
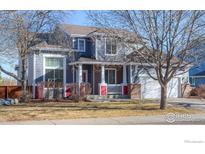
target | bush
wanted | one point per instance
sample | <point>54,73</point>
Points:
<point>199,91</point>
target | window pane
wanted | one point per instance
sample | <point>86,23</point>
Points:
<point>59,75</point>
<point>54,62</point>
<point>108,46</point>
<point>106,76</point>
<point>49,76</point>
<point>82,45</point>
<point>75,43</point>
<point>114,47</point>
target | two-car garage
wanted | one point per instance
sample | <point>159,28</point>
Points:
<point>151,88</point>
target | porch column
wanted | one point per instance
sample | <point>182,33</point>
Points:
<point>131,79</point>
<point>34,77</point>
<point>102,74</point>
<point>73,71</point>
<point>64,75</point>
<point>124,84</point>
<point>124,74</point>
<point>103,85</point>
<point>80,73</point>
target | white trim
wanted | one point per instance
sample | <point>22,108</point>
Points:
<point>102,73</point>
<point>124,74</point>
<point>80,39</point>
<point>64,75</point>
<point>44,64</point>
<point>115,75</point>
<point>86,72</point>
<point>108,63</point>
<point>96,52</point>
<point>93,80</point>
<point>80,68</point>
<point>34,75</point>
<point>131,75</point>
<point>111,48</point>
<point>80,73</point>
<point>78,35</point>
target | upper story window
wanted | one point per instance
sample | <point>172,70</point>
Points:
<point>54,62</point>
<point>54,69</point>
<point>111,47</point>
<point>79,44</point>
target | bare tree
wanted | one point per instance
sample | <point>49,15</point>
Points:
<point>21,31</point>
<point>166,40</point>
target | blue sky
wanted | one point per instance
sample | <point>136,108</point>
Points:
<point>77,17</point>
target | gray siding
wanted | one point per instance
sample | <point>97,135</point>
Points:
<point>101,53</point>
<point>39,67</point>
<point>89,48</point>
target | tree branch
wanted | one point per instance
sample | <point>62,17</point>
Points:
<point>10,74</point>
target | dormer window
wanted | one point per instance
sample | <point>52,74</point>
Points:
<point>111,47</point>
<point>79,44</point>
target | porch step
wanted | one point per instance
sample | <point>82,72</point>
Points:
<point>98,97</point>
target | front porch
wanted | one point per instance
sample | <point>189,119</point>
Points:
<point>89,78</point>
<point>106,79</point>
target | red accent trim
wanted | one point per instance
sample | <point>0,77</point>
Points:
<point>39,91</point>
<point>125,90</point>
<point>103,89</point>
<point>68,91</point>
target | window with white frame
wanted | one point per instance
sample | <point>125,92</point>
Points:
<point>75,43</point>
<point>79,44</point>
<point>54,69</point>
<point>110,76</point>
<point>111,47</point>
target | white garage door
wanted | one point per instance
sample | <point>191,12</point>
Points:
<point>151,88</point>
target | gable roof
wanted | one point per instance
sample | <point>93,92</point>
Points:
<point>77,29</point>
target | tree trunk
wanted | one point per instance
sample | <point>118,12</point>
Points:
<point>24,97</point>
<point>163,101</point>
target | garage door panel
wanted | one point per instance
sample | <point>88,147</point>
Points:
<point>173,88</point>
<point>152,89</point>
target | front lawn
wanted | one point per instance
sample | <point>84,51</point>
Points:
<point>62,110</point>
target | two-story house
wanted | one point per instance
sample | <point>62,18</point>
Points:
<point>98,60</point>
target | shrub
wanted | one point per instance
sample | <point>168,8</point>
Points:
<point>198,91</point>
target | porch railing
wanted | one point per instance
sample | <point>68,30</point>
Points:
<point>114,89</point>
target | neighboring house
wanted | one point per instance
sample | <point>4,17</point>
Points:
<point>197,72</point>
<point>95,59</point>
<point>197,75</point>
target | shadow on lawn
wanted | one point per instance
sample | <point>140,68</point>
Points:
<point>76,107</point>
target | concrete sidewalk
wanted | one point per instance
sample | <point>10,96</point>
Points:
<point>129,120</point>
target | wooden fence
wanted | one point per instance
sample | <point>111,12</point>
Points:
<point>13,91</point>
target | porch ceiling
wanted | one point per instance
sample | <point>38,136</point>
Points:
<point>91,61</point>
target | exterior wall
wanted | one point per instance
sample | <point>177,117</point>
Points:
<point>101,53</point>
<point>40,67</point>
<point>69,73</point>
<point>89,48</point>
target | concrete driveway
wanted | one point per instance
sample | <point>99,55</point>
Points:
<point>186,102</point>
